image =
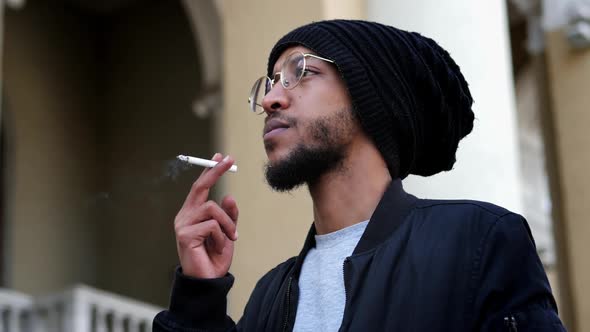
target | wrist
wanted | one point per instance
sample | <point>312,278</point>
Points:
<point>199,299</point>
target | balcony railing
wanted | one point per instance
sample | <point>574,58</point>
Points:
<point>15,309</point>
<point>79,309</point>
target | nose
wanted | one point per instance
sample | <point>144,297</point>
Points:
<point>276,99</point>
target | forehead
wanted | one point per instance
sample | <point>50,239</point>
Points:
<point>289,51</point>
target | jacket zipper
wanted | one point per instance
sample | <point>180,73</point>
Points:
<point>343,274</point>
<point>288,303</point>
<point>345,291</point>
<point>510,323</point>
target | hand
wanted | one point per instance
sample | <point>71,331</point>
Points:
<point>205,232</point>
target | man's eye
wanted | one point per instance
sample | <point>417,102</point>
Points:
<point>308,72</point>
<point>298,71</point>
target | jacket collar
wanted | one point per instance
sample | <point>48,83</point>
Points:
<point>387,217</point>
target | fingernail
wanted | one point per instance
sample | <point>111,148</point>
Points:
<point>215,156</point>
<point>226,158</point>
<point>236,235</point>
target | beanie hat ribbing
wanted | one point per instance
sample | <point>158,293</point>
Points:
<point>407,92</point>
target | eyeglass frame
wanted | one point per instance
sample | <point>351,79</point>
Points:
<point>280,73</point>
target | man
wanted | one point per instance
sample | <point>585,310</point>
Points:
<point>353,107</point>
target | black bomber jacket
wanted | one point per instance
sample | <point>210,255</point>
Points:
<point>421,265</point>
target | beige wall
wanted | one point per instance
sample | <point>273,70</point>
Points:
<point>272,226</point>
<point>50,100</point>
<point>569,73</point>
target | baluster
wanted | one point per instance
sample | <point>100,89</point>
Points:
<point>15,320</point>
<point>26,320</point>
<point>117,322</point>
<point>133,325</point>
<point>37,320</point>
<point>79,316</point>
<point>56,316</point>
<point>53,318</point>
<point>3,322</point>
<point>101,322</point>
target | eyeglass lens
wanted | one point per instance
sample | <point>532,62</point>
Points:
<point>291,73</point>
<point>292,70</point>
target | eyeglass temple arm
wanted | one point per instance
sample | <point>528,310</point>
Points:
<point>318,57</point>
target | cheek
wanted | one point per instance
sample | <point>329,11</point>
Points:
<point>333,99</point>
<point>319,131</point>
<point>316,130</point>
<point>319,104</point>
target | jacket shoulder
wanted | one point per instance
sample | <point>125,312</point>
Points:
<point>463,217</point>
<point>477,210</point>
<point>465,205</point>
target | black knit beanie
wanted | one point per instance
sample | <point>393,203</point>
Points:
<point>406,90</point>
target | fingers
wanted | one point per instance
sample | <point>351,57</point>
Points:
<point>210,210</point>
<point>201,196</point>
<point>192,236</point>
<point>212,175</point>
<point>193,193</point>
<point>229,205</point>
<point>216,157</point>
<point>200,189</point>
<point>219,223</point>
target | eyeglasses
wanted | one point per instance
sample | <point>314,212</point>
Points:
<point>292,71</point>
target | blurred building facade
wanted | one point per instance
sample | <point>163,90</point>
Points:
<point>99,96</point>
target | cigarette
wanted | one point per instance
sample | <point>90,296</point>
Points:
<point>203,162</point>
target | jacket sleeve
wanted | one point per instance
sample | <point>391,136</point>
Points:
<point>197,305</point>
<point>511,290</point>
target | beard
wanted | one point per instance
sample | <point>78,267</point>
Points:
<point>307,163</point>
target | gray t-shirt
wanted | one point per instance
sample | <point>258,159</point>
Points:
<point>321,284</point>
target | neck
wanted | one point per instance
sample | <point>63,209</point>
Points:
<point>350,194</point>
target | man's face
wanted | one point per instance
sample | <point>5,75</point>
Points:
<point>308,128</point>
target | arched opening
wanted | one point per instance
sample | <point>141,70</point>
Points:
<point>104,95</point>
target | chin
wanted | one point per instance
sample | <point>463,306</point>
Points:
<point>276,154</point>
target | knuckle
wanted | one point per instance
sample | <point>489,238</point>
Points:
<point>197,185</point>
<point>177,227</point>
<point>181,236</point>
<point>210,206</point>
<point>177,220</point>
<point>212,224</point>
<point>216,226</point>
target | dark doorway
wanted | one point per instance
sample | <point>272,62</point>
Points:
<point>101,96</point>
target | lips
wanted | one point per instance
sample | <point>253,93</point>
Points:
<point>274,126</point>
